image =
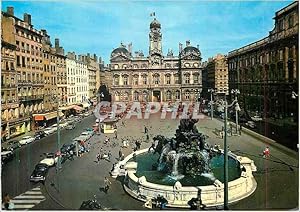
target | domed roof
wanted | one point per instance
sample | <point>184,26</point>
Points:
<point>154,24</point>
<point>190,49</point>
<point>120,50</point>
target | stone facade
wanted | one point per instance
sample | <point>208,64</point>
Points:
<point>216,71</point>
<point>77,78</point>
<point>155,77</point>
<point>266,72</point>
<point>26,71</point>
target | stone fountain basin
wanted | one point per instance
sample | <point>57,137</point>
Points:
<point>178,195</point>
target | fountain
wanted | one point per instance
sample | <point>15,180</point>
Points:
<point>178,168</point>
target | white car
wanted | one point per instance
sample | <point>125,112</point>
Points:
<point>26,140</point>
<point>257,118</point>
<point>51,159</point>
<point>49,130</point>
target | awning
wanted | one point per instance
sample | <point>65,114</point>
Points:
<point>39,117</point>
<point>85,104</point>
<point>53,115</point>
<point>76,107</point>
<point>67,107</point>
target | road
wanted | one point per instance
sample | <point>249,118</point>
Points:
<point>16,173</point>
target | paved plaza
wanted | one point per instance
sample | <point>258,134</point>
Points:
<point>81,179</point>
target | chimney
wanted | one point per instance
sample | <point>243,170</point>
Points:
<point>10,11</point>
<point>57,43</point>
<point>198,47</point>
<point>44,31</point>
<point>95,58</point>
<point>187,43</point>
<point>180,47</point>
<point>88,55</point>
<point>27,18</point>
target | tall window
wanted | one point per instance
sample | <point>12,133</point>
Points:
<point>168,95</point>
<point>168,79</point>
<point>291,21</point>
<point>176,77</point>
<point>135,80</point>
<point>136,96</point>
<point>116,80</point>
<point>156,79</point>
<point>125,80</point>
<point>145,80</point>
<point>187,95</point>
<point>196,78</point>
<point>177,95</point>
<point>187,79</point>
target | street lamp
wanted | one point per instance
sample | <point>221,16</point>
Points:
<point>211,91</point>
<point>225,105</point>
<point>237,108</point>
<point>58,132</point>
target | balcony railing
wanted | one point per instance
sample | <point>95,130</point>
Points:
<point>30,98</point>
<point>8,86</point>
<point>24,83</point>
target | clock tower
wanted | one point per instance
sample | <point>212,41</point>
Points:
<point>155,38</point>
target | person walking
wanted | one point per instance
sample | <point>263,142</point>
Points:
<point>98,157</point>
<point>146,129</point>
<point>266,152</point>
<point>147,137</point>
<point>109,155</point>
<point>120,154</point>
<point>107,184</point>
<point>116,135</point>
<point>241,129</point>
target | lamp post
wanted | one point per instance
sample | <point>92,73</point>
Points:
<point>211,91</point>
<point>225,105</point>
<point>58,132</point>
<point>237,108</point>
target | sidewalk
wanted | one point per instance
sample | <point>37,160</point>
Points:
<point>80,179</point>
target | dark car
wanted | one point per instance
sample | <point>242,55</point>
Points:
<point>39,173</point>
<point>66,148</point>
<point>6,156</point>
<point>11,145</point>
<point>39,135</point>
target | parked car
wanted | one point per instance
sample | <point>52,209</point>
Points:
<point>39,135</point>
<point>89,134</point>
<point>67,148</point>
<point>6,156</point>
<point>26,140</point>
<point>39,173</point>
<point>251,124</point>
<point>11,145</point>
<point>49,130</point>
<point>70,127</point>
<point>256,118</point>
<point>63,124</point>
<point>51,159</point>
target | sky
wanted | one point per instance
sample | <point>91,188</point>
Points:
<point>100,26</point>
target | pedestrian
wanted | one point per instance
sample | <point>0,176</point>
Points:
<point>107,184</point>
<point>147,137</point>
<point>120,154</point>
<point>146,129</point>
<point>266,152</point>
<point>98,157</point>
<point>240,129</point>
<point>116,135</point>
<point>109,155</point>
<point>152,147</point>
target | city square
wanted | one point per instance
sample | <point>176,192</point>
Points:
<point>156,130</point>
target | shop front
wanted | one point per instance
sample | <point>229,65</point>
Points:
<point>46,119</point>
<point>14,128</point>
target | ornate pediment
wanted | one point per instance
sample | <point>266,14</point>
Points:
<point>191,55</point>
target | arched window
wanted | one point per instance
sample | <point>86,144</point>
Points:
<point>187,78</point>
<point>117,96</point>
<point>116,80</point>
<point>136,96</point>
<point>168,95</point>
<point>156,79</point>
<point>196,78</point>
<point>168,79</point>
<point>187,94</point>
<point>177,95</point>
<point>125,79</point>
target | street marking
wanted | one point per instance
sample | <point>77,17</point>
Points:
<point>29,199</point>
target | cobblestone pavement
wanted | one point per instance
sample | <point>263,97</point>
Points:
<point>82,178</point>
